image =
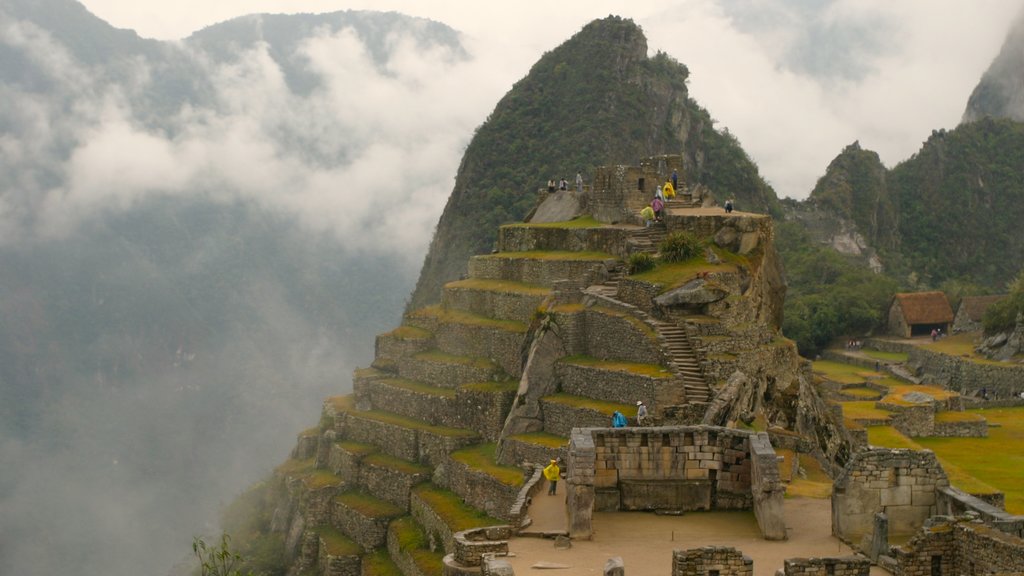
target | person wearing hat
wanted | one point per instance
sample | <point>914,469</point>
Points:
<point>551,472</point>
<point>641,413</point>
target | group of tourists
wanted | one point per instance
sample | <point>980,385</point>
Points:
<point>563,184</point>
<point>619,419</point>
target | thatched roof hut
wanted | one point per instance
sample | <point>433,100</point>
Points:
<point>918,313</point>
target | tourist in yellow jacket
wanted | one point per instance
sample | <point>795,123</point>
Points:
<point>551,472</point>
<point>668,191</point>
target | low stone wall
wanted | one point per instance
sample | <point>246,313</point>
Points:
<point>497,344</point>
<point>390,438</point>
<point>501,305</point>
<point>670,468</point>
<point>560,419</point>
<point>968,377</point>
<point>721,560</point>
<point>331,565</point>
<point>437,530</point>
<point>344,463</point>
<point>609,385</point>
<point>516,452</point>
<point>539,271</point>
<point>637,293</point>
<point>471,545</point>
<point>450,374</point>
<point>392,346</point>
<point>480,490</point>
<point>845,566</point>
<point>389,484</point>
<point>961,429</point>
<point>367,531</point>
<point>952,546</point>
<point>952,501</point>
<point>767,488</point>
<point>519,238</point>
<point>617,336</point>
<point>902,483</point>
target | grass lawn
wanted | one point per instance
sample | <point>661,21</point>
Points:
<point>886,356</point>
<point>962,346</point>
<point>842,372</point>
<point>815,484</point>
<point>670,276</point>
<point>581,222</point>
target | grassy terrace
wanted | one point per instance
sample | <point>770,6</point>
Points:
<point>482,458</point>
<point>338,544</point>
<point>541,439</point>
<point>500,286</point>
<point>496,386</point>
<point>357,448</point>
<point>589,403</point>
<point>340,404</point>
<point>636,322</point>
<point>402,421</point>
<point>455,513</point>
<point>896,357</point>
<point>409,333</point>
<point>669,276</point>
<point>552,255</point>
<point>581,222</point>
<point>650,370</point>
<point>815,484</point>
<point>961,346</point>
<point>368,505</point>
<point>379,563</point>
<point>842,373</point>
<point>460,317</point>
<point>404,466</point>
<point>412,541</point>
<point>419,387</point>
<point>439,357</point>
<point>294,468</point>
<point>862,392</point>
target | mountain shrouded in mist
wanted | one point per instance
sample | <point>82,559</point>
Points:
<point>1000,93</point>
<point>595,100</point>
<point>191,258</point>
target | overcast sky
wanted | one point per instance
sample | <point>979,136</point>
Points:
<point>795,80</point>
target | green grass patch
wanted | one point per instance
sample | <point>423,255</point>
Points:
<point>961,346</point>
<point>864,410</point>
<point>841,372</point>
<point>500,286</point>
<point>951,416</point>
<point>419,387</point>
<point>497,386</point>
<point>341,404</point>
<point>649,370</point>
<point>379,564</point>
<point>409,333</point>
<point>669,276</point>
<point>389,461</point>
<point>553,255</point>
<point>293,467</point>
<point>889,437</point>
<point>898,390</point>
<point>466,318</point>
<point>444,358</point>
<point>862,392</point>
<point>482,458</point>
<point>337,544</point>
<point>357,448</point>
<point>581,222</point>
<point>412,541</point>
<point>815,483</point>
<point>404,422</point>
<point>589,404</point>
<point>542,439</point>
<point>455,513</point>
<point>897,357</point>
<point>368,505</point>
<point>322,479</point>
<point>567,309</point>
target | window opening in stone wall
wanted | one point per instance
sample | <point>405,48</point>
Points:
<point>712,572</point>
<point>937,565</point>
<point>640,184</point>
<point>830,569</point>
<point>643,439</point>
<point>664,440</point>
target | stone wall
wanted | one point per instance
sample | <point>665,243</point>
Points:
<point>389,484</point>
<point>610,385</point>
<point>663,468</point>
<point>540,271</point>
<point>955,546</point>
<point>720,560</point>
<point>498,304</point>
<point>524,238</point>
<point>900,483</point>
<point>478,489</point>
<point>767,488</point>
<point>367,531</point>
<point>951,501</point>
<point>968,377</point>
<point>845,566</point>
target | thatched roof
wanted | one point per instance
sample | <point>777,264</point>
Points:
<point>925,307</point>
<point>975,306</point>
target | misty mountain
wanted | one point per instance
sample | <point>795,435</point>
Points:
<point>595,100</point>
<point>1000,93</point>
<point>193,253</point>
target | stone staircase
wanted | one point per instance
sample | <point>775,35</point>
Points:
<point>648,239</point>
<point>684,362</point>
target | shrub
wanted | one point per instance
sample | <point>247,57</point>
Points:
<point>1002,316</point>
<point>680,247</point>
<point>640,262</point>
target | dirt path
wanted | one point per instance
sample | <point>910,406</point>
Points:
<point>646,541</point>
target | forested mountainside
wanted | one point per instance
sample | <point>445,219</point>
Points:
<point>595,100</point>
<point>1000,93</point>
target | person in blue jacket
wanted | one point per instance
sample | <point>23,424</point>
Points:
<point>618,420</point>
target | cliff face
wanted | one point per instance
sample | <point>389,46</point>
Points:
<point>596,99</point>
<point>1000,93</point>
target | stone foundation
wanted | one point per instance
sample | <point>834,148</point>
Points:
<point>711,561</point>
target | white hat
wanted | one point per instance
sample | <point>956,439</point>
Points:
<point>639,402</point>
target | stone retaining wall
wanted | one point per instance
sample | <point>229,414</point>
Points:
<point>609,385</point>
<point>966,377</point>
<point>516,452</point>
<point>393,347</point>
<point>845,566</point>
<point>951,501</point>
<point>330,565</point>
<point>539,271</point>
<point>437,530</point>
<point>480,490</point>
<point>443,374</point>
<point>560,419</point>
<point>951,546</point>
<point>389,484</point>
<point>367,531</point>
<point>721,560</point>
<point>767,488</point>
<point>902,483</point>
<point>501,305</point>
<point>519,238</point>
<point>496,344</point>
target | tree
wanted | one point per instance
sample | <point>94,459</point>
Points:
<point>217,560</point>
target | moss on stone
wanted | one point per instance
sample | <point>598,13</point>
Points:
<point>357,448</point>
<point>412,541</point>
<point>368,505</point>
<point>390,462</point>
<point>405,422</point>
<point>379,563</point>
<point>507,286</point>
<point>455,513</point>
<point>320,478</point>
<point>419,387</point>
<point>482,459</point>
<point>405,332</point>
